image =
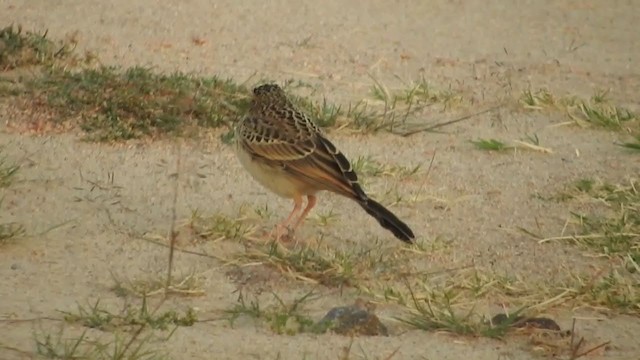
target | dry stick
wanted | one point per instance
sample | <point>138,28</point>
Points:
<point>190,252</point>
<point>439,125</point>
<point>172,232</point>
<point>573,333</point>
<point>392,354</point>
<point>173,236</point>
<point>574,349</point>
<point>586,352</point>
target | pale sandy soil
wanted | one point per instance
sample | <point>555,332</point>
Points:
<point>488,50</point>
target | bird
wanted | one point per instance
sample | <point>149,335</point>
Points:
<point>287,153</point>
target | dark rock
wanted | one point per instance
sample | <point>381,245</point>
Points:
<point>356,319</point>
<point>525,322</point>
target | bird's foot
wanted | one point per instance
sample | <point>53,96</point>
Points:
<point>281,233</point>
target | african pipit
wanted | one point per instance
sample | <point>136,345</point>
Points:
<point>288,154</point>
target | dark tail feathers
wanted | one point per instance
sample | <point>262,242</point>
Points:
<point>388,220</point>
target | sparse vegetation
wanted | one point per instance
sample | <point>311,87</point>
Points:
<point>121,335</point>
<point>633,145</point>
<point>611,229</point>
<point>186,285</point>
<point>220,226</point>
<point>322,265</point>
<point>8,171</point>
<point>491,145</point>
<point>365,166</point>
<point>96,317</point>
<point>414,97</point>
<point>615,229</point>
<point>282,317</point>
<point>596,112</point>
<point>537,100</point>
<point>118,346</point>
<point>10,231</point>
<point>20,48</point>
<point>119,104</point>
<point>112,103</point>
<point>601,114</point>
<point>529,143</point>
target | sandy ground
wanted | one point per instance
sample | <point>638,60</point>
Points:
<point>488,50</point>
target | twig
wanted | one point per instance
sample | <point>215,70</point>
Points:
<point>592,349</point>
<point>173,237</point>
<point>172,231</point>
<point>450,122</point>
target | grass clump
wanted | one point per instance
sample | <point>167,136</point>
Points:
<point>491,145</point>
<point>530,142</point>
<point>220,226</point>
<point>84,346</point>
<point>418,94</point>
<point>20,48</point>
<point>282,318</point>
<point>613,229</point>
<point>186,285</point>
<point>602,114</point>
<point>607,290</point>
<point>538,99</point>
<point>323,266</point>
<point>8,231</point>
<point>452,304</point>
<point>7,172</point>
<point>115,104</point>
<point>633,145</point>
<point>96,317</point>
<point>119,104</point>
<point>121,335</point>
<point>597,111</point>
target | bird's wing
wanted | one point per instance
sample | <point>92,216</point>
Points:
<point>275,138</point>
<point>296,145</point>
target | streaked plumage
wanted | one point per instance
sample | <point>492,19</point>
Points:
<point>288,154</point>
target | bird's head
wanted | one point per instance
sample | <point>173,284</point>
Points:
<point>268,90</point>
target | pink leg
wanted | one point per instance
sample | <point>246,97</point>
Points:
<point>282,227</point>
<point>311,202</point>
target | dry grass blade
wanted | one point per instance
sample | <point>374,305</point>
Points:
<point>533,147</point>
<point>414,129</point>
<point>317,266</point>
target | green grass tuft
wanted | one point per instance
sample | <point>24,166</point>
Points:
<point>19,48</point>
<point>8,231</point>
<point>323,266</point>
<point>633,145</point>
<point>282,318</point>
<point>7,172</point>
<point>120,346</point>
<point>603,115</point>
<point>490,144</point>
<point>611,227</point>
<point>96,317</point>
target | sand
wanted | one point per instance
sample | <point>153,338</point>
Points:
<point>81,233</point>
